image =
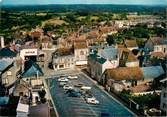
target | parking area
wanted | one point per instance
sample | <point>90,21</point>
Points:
<point>69,105</point>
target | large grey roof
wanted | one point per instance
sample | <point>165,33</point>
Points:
<point>152,72</point>
<point>4,100</point>
<point>6,52</point>
<point>97,58</point>
<point>31,69</point>
<point>109,53</point>
<point>4,63</point>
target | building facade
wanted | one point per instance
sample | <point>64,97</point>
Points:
<point>8,71</point>
<point>156,44</point>
<point>97,64</point>
<point>63,59</point>
<point>80,53</point>
<point>120,78</point>
<point>163,103</point>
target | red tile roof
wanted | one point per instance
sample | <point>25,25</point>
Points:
<point>125,73</point>
<point>131,43</point>
<point>80,45</point>
<point>157,40</point>
<point>158,54</point>
<point>140,88</point>
<point>131,57</point>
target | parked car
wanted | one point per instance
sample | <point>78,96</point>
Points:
<point>85,88</point>
<point>74,94</point>
<point>92,100</point>
<point>67,87</point>
<point>62,84</point>
<point>62,79</point>
<point>72,77</point>
<point>79,85</point>
<point>63,76</point>
<point>87,95</point>
<point>69,91</point>
<point>104,114</point>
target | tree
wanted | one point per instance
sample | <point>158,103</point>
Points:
<point>70,18</point>
<point>119,38</point>
<point>127,33</point>
<point>48,27</point>
<point>141,32</point>
<point>110,40</point>
<point>123,16</point>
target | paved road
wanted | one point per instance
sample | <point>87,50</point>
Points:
<point>77,107</point>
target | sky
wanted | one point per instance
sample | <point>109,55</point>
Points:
<point>131,2</point>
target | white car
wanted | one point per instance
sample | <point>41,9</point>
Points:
<point>72,77</point>
<point>85,88</point>
<point>62,84</point>
<point>67,87</point>
<point>63,80</point>
<point>92,100</point>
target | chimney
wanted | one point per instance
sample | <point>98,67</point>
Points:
<point>2,42</point>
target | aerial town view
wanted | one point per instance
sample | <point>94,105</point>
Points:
<point>83,58</point>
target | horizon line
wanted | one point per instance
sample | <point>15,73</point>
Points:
<point>81,4</point>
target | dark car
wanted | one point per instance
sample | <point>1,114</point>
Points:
<point>73,93</point>
<point>104,115</point>
<point>79,85</point>
<point>70,91</point>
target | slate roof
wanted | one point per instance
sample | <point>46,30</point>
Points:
<point>4,100</point>
<point>31,69</point>
<point>152,72</point>
<point>4,63</point>
<point>6,52</point>
<point>20,42</point>
<point>110,53</point>
<point>97,58</point>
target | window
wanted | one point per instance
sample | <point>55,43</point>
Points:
<point>61,66</point>
<point>9,73</point>
<point>81,52</point>
<point>164,105</point>
<point>5,81</point>
<point>164,95</point>
<point>157,48</point>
